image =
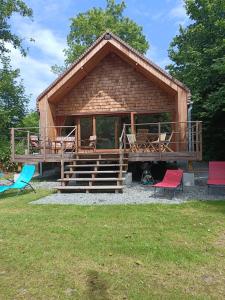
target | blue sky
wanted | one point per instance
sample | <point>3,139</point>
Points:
<point>160,20</point>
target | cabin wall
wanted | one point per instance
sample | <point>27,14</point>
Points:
<point>47,118</point>
<point>115,86</point>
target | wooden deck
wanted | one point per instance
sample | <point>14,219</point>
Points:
<point>183,142</point>
<point>168,156</point>
<point>132,157</point>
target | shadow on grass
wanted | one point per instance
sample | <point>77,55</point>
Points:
<point>211,206</point>
<point>14,193</point>
<point>96,287</point>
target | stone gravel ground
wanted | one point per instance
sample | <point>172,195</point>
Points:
<point>134,194</point>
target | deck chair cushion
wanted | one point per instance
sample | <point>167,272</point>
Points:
<point>23,180</point>
<point>216,173</point>
<point>172,179</point>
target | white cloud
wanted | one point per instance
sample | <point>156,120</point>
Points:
<point>157,57</point>
<point>45,40</point>
<point>158,16</point>
<point>46,51</point>
<point>36,74</point>
<point>178,12</point>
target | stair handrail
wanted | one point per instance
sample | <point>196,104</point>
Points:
<point>64,148</point>
<point>122,139</point>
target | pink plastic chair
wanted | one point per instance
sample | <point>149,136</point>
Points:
<point>216,176</point>
<point>172,180</point>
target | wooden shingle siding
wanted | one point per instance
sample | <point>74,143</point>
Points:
<point>113,86</point>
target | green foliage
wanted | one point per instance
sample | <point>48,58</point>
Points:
<point>5,157</point>
<point>13,100</point>
<point>30,120</point>
<point>86,27</point>
<point>7,9</point>
<point>198,55</point>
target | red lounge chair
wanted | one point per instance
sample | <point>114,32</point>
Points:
<point>216,174</point>
<point>172,180</point>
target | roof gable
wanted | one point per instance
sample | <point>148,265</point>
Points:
<point>109,42</point>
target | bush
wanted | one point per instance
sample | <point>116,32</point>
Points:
<point>5,157</point>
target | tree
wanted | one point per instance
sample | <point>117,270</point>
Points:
<point>30,120</point>
<point>86,27</point>
<point>7,9</point>
<point>198,56</point>
<point>13,100</point>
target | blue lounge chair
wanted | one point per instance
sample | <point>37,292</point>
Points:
<point>22,181</point>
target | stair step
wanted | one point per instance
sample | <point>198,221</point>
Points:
<point>94,172</point>
<point>96,165</point>
<point>91,179</point>
<point>87,187</point>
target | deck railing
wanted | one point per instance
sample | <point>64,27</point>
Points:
<point>157,141</point>
<point>163,137</point>
<point>35,142</point>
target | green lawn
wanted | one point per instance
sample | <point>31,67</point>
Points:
<point>118,252</point>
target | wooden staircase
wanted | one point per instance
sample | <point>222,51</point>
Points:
<point>94,172</point>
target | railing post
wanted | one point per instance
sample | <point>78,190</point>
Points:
<point>62,149</point>
<point>62,171</point>
<point>197,139</point>
<point>200,140</point>
<point>189,136</point>
<point>193,137</point>
<point>44,140</point>
<point>13,144</point>
<point>75,136</point>
<point>124,137</point>
<point>28,142</point>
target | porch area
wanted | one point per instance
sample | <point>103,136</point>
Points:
<point>158,141</point>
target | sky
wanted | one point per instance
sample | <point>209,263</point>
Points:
<point>50,26</point>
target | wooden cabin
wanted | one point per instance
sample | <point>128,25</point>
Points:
<point>112,106</point>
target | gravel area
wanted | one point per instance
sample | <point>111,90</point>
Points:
<point>135,194</point>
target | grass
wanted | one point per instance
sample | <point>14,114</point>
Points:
<point>111,252</point>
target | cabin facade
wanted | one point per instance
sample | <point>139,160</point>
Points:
<point>112,102</point>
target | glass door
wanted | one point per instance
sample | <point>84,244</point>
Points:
<point>108,132</point>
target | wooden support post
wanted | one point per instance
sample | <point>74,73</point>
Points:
<point>200,141</point>
<point>13,144</point>
<point>78,134</point>
<point>124,137</point>
<point>28,142</point>
<point>197,139</point>
<point>159,136</point>
<point>44,144</point>
<point>116,133</point>
<point>190,166</point>
<point>132,122</point>
<point>94,132</point>
<point>175,137</point>
<point>62,169</point>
